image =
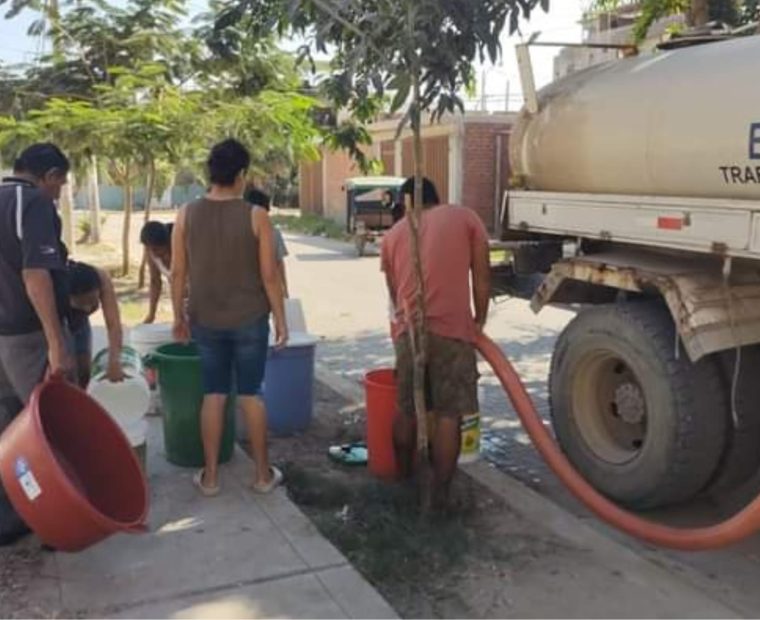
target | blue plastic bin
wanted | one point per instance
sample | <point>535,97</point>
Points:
<point>289,386</point>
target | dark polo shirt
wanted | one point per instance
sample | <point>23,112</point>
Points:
<point>30,238</point>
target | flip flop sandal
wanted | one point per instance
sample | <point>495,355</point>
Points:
<point>205,491</point>
<point>276,481</point>
<point>352,454</point>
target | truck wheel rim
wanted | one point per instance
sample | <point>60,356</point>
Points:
<point>609,407</point>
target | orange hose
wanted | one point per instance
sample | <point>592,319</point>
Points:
<point>745,523</point>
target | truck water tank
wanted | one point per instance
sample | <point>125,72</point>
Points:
<point>684,122</point>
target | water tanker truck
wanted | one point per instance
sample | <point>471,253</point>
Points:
<point>636,191</point>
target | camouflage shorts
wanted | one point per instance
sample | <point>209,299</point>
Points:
<point>451,386</point>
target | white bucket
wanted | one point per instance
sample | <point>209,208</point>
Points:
<point>126,401</point>
<point>136,432</point>
<point>145,339</point>
<point>137,435</point>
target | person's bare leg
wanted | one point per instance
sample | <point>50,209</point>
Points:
<point>212,425</point>
<point>447,443</point>
<point>256,418</point>
<point>404,438</point>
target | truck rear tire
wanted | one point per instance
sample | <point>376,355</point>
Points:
<point>741,457</point>
<point>645,426</point>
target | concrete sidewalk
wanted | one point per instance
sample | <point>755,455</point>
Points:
<point>560,566</point>
<point>234,556</point>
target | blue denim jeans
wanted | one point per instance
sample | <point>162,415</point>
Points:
<point>233,357</point>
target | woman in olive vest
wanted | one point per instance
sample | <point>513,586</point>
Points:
<point>223,252</point>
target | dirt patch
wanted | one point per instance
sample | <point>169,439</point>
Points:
<point>459,565</point>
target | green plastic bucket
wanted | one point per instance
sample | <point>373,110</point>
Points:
<point>179,381</point>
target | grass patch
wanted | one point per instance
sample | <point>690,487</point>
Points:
<point>379,526</point>
<point>312,225</point>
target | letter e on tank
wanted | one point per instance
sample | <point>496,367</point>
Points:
<point>754,141</point>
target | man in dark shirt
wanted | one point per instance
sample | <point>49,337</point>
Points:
<point>33,292</point>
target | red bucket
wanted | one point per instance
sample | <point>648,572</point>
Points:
<point>70,472</point>
<point>380,390</point>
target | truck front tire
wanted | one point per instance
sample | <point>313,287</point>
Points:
<point>640,422</point>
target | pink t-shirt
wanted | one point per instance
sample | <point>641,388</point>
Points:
<point>449,236</point>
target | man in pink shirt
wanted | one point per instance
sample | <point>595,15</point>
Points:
<point>454,250</point>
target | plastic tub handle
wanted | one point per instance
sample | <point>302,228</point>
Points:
<point>103,378</point>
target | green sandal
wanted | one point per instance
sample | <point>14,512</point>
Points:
<point>353,454</point>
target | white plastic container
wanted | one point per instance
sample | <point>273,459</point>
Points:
<point>145,339</point>
<point>137,435</point>
<point>127,400</point>
<point>136,432</point>
<point>294,316</point>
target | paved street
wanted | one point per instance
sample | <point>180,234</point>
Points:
<point>345,303</point>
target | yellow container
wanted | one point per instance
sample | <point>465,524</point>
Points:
<point>470,438</point>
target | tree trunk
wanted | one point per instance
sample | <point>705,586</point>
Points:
<point>67,213</point>
<point>93,187</point>
<point>149,189</point>
<point>125,234</point>
<point>419,336</point>
<point>699,14</point>
<point>417,331</point>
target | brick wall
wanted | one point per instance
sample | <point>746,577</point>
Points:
<point>340,167</point>
<point>435,162</point>
<point>388,157</point>
<point>310,187</point>
<point>479,177</point>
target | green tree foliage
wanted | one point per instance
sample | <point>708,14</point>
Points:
<point>421,53</point>
<point>132,88</point>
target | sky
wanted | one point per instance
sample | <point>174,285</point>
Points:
<point>561,24</point>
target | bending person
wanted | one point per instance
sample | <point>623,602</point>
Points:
<point>156,238</point>
<point>91,289</point>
